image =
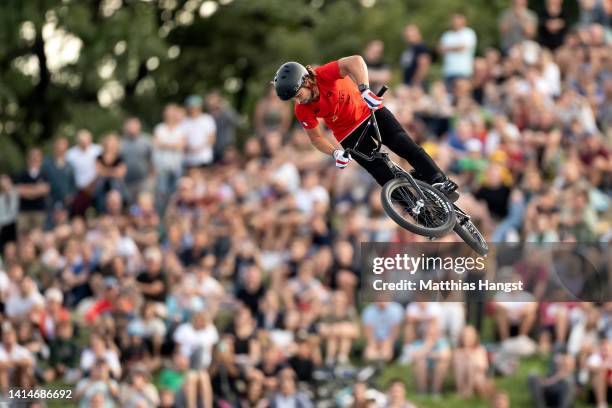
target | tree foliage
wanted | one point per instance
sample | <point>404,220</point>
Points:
<point>133,56</point>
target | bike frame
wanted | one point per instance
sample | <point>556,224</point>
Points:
<point>397,171</point>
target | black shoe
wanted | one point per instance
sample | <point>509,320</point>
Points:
<point>447,187</point>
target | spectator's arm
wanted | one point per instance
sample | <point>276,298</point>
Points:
<point>529,24</point>
<point>380,76</point>
<point>119,171</point>
<point>423,63</point>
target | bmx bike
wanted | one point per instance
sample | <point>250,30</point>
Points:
<point>416,205</point>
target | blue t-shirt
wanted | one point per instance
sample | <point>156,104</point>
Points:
<point>383,319</point>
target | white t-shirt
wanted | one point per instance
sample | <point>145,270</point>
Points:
<point>88,359</point>
<point>306,199</point>
<point>84,163</point>
<point>199,132</point>
<point>17,353</point>
<point>459,63</point>
<point>168,159</point>
<point>190,339</point>
<point>18,307</point>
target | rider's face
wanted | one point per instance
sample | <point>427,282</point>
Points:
<point>304,95</point>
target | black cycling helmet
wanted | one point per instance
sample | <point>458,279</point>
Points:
<point>288,80</point>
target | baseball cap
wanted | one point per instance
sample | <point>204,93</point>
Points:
<point>194,101</point>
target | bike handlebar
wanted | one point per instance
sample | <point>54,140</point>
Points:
<point>372,121</point>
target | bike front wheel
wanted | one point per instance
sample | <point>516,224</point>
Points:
<point>429,214</point>
<point>468,232</point>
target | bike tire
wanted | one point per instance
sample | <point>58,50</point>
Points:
<point>435,198</point>
<point>468,232</point>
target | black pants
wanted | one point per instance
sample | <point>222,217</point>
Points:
<point>395,138</point>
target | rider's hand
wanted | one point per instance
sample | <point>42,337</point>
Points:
<point>341,160</point>
<point>373,100</point>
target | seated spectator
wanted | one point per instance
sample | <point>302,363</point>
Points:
<point>196,338</point>
<point>139,392</point>
<point>53,313</point>
<point>23,301</point>
<point>339,329</point>
<point>515,312</point>
<point>98,388</point>
<point>304,361</point>
<point>288,395</point>
<point>171,379</point>
<point>381,321</point>
<point>471,363</point>
<point>431,351</point>
<point>152,282</point>
<point>242,333</point>
<point>599,364</point>
<point>63,355</point>
<point>397,395</point>
<point>557,390</point>
<point>100,352</point>
<point>17,363</point>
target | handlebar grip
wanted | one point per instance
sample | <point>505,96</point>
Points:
<point>382,90</point>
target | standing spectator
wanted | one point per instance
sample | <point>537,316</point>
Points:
<point>169,143</point>
<point>83,158</point>
<point>136,150</point>
<point>382,321</point>
<point>593,11</point>
<point>378,71</point>
<point>416,58</point>
<point>271,114</point>
<point>201,131</point>
<point>553,24</point>
<point>33,187</point>
<point>110,170</point>
<point>60,174</point>
<point>9,209</point>
<point>458,47</point>
<point>517,24</point>
<point>226,121</point>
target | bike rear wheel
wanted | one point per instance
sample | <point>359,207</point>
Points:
<point>467,231</point>
<point>435,218</point>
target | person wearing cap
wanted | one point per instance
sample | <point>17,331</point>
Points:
<point>52,314</point>
<point>200,130</point>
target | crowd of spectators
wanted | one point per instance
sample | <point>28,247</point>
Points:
<point>175,269</point>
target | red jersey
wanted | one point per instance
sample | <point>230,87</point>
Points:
<point>340,104</point>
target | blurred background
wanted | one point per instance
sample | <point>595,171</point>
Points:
<point>170,238</point>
